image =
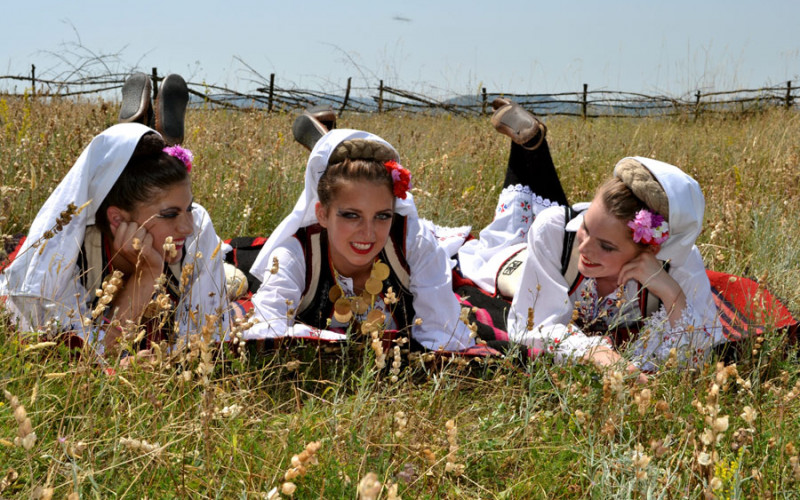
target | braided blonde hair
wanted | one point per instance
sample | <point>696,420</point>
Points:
<point>631,189</point>
<point>643,185</point>
<point>355,159</point>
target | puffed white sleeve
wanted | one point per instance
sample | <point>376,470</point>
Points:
<point>431,285</point>
<point>279,293</point>
<point>65,311</point>
<point>205,292</point>
<point>693,335</point>
<point>544,293</point>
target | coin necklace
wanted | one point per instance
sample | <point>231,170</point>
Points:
<point>345,307</point>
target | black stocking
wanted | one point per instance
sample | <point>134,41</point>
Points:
<point>535,169</point>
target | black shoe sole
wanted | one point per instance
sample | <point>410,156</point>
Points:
<point>135,99</point>
<point>171,108</point>
<point>307,130</point>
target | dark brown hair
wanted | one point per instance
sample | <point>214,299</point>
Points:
<point>149,170</point>
<point>355,159</point>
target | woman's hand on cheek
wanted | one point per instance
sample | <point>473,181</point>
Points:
<point>644,268</point>
<point>648,271</point>
<point>135,245</point>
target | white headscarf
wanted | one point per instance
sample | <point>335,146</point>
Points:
<point>42,283</point>
<point>686,208</point>
<point>304,213</point>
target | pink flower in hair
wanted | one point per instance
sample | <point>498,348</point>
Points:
<point>183,154</point>
<point>644,218</point>
<point>649,228</point>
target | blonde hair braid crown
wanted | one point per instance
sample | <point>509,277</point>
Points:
<point>644,186</point>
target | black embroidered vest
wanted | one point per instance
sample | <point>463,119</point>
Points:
<point>315,307</point>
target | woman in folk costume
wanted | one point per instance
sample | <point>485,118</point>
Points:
<point>575,277</point>
<point>354,244</point>
<point>122,220</point>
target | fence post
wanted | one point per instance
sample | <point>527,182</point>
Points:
<point>585,103</point>
<point>788,94</point>
<point>696,105</point>
<point>346,94</point>
<point>483,100</point>
<point>271,92</point>
<point>33,80</point>
<point>154,80</point>
<point>380,97</point>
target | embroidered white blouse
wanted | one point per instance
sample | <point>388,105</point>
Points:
<point>431,285</point>
<point>545,292</point>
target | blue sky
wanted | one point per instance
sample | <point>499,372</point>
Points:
<point>443,47</point>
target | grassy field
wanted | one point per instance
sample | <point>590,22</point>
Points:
<point>455,430</point>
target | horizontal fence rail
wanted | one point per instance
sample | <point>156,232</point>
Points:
<point>384,99</point>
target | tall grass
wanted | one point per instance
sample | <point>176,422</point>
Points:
<point>443,430</point>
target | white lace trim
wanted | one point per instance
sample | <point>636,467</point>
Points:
<point>657,338</point>
<point>515,190</point>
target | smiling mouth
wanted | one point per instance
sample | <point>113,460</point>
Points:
<point>586,262</point>
<point>361,248</point>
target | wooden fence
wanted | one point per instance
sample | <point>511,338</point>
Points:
<point>584,103</point>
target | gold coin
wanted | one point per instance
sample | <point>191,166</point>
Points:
<point>380,271</point>
<point>342,318</point>
<point>335,293</point>
<point>374,286</point>
<point>342,306</point>
<point>359,305</point>
<point>376,316</point>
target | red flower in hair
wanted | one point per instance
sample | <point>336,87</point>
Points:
<point>401,178</point>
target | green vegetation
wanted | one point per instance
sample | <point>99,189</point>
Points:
<point>226,428</point>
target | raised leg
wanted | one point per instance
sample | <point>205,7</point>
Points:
<point>535,169</point>
<point>171,108</point>
<point>312,124</point>
<point>529,161</point>
<point>136,106</point>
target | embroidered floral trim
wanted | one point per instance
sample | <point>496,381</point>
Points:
<point>401,178</point>
<point>591,313</point>
<point>183,154</point>
<point>649,228</point>
<point>535,200</point>
<point>657,339</point>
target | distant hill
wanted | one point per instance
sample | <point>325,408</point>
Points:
<point>467,104</point>
<point>261,101</point>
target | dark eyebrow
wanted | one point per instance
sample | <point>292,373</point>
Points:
<point>605,242</point>
<point>175,208</point>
